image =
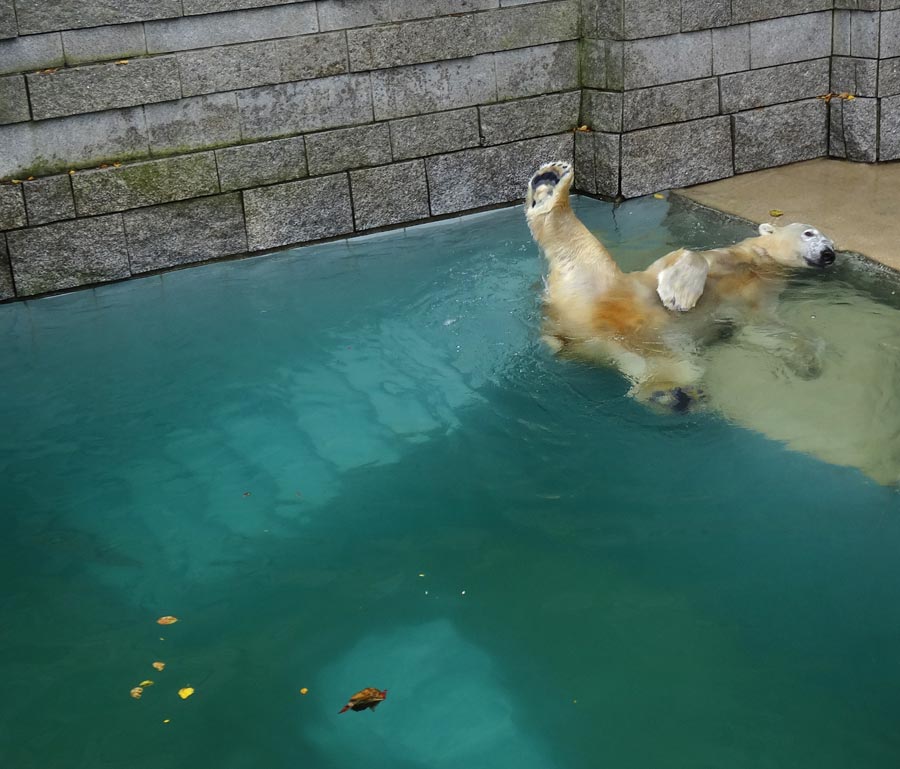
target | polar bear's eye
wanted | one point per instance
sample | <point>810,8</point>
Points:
<point>809,234</point>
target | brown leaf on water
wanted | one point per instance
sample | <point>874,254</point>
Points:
<point>159,665</point>
<point>167,620</point>
<point>137,692</point>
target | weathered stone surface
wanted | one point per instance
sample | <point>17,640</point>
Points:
<point>585,173</point>
<point>602,110</point>
<point>731,49</point>
<point>413,42</point>
<point>755,10</point>
<point>526,118</point>
<point>389,195</point>
<point>852,75</point>
<point>7,289</point>
<point>22,54</point>
<point>864,27</point>
<point>8,26</point>
<point>889,129</point>
<point>525,26</point>
<point>310,105</point>
<point>251,165</point>
<point>774,85</point>
<point>49,199</point>
<point>12,207</point>
<point>793,38</point>
<point>866,5</point>
<point>105,190</point>
<point>840,33</point>
<point>43,16</point>
<point>674,103</point>
<point>432,87</point>
<point>103,87</point>
<point>457,181</point>
<point>341,14</point>
<point>191,32</point>
<point>889,77</point>
<point>650,18</point>
<point>602,64</point>
<point>346,148</point>
<point>198,7</point>
<point>121,41</point>
<point>602,19</point>
<point>668,59</point>
<point>782,134</point>
<point>297,212</point>
<point>890,34</point>
<point>195,123</point>
<point>676,156</point>
<point>41,148</point>
<point>13,100</point>
<point>312,56</point>
<point>854,129</point>
<point>532,71</point>
<point>211,70</point>
<point>704,14</point>
<point>402,10</point>
<point>608,163</point>
<point>68,254</point>
<point>185,232</point>
<point>416,137</point>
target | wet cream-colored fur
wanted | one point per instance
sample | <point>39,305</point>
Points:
<point>649,323</point>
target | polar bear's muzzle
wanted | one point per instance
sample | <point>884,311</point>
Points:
<point>823,259</point>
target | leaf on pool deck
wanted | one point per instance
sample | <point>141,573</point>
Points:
<point>159,665</point>
<point>146,683</point>
<point>167,620</point>
<point>186,692</point>
<point>776,213</point>
<point>137,692</point>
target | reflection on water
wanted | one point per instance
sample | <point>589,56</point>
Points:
<point>274,450</point>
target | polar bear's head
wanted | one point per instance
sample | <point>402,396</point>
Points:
<point>796,245</point>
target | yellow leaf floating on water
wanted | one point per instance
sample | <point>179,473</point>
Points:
<point>167,620</point>
<point>186,692</point>
<point>137,692</point>
<point>776,213</point>
<point>166,720</point>
<point>659,196</point>
<point>159,665</point>
<point>146,683</point>
<point>304,690</point>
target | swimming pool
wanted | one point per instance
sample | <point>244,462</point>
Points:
<point>354,465</point>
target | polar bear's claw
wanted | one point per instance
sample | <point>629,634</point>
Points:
<point>544,183</point>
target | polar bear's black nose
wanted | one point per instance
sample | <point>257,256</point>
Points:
<point>827,256</point>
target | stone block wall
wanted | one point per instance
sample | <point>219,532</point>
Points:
<point>139,135</point>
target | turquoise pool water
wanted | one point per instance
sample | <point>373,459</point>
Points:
<point>354,465</point>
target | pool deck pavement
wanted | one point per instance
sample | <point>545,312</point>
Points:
<point>856,204</point>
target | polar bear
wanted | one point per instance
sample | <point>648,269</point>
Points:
<point>639,321</point>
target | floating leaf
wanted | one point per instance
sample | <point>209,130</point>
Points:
<point>137,692</point>
<point>304,690</point>
<point>186,692</point>
<point>167,620</point>
<point>776,213</point>
<point>659,196</point>
<point>166,720</point>
<point>246,493</point>
<point>146,683</point>
<point>159,665</point>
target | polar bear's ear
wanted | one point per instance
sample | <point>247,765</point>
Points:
<point>766,229</point>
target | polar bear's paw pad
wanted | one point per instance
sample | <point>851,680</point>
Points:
<point>545,180</point>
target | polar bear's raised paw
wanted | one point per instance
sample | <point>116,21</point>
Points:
<point>548,183</point>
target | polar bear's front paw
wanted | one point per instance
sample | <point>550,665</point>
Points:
<point>548,180</point>
<point>678,399</point>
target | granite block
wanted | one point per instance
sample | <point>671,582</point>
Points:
<point>342,14</point>
<point>889,34</point>
<point>442,85</point>
<point>7,288</point>
<point>63,255</point>
<point>853,129</point>
<point>775,136</point>
<point>756,10</point>
<point>251,165</point>
<point>12,207</point>
<point>185,232</point>
<point>889,77</point>
<point>41,148</point>
<point>439,132</point>
<point>47,16</point>
<point>192,32</point>
<point>211,70</point>
<point>13,100</point>
<point>105,190</point>
<point>774,85</point>
<point>608,163</point>
<point>283,110</point>
<point>199,122</point>
<point>309,56</point>
<point>534,71</point>
<point>675,156</point>
<point>602,110</point>
<point>602,19</point>
<point>704,14</point>
<point>402,10</point>
<point>389,195</point>
<point>650,18</point>
<point>122,41</point>
<point>856,76</point>
<point>23,54</point>
<point>8,28</point>
<point>414,42</point>
<point>889,129</point>
<point>526,118</point>
<point>675,103</point>
<point>345,148</point>
<point>525,26</point>
<point>457,181</point>
<point>669,59</point>
<point>789,39</point>
<point>103,87</point>
<point>840,33</point>
<point>49,199</point>
<point>731,49</point>
<point>297,212</point>
<point>864,37</point>
<point>199,7</point>
<point>585,172</point>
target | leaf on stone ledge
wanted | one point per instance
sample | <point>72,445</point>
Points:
<point>776,213</point>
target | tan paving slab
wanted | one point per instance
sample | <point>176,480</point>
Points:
<point>856,204</point>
